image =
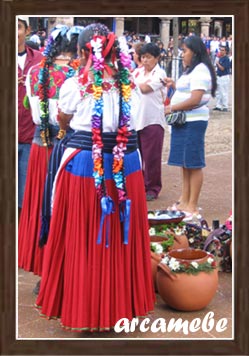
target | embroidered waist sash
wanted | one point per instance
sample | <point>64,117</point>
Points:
<point>83,140</point>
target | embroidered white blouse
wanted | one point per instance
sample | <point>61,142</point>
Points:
<point>77,99</point>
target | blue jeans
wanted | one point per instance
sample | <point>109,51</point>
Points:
<point>23,158</point>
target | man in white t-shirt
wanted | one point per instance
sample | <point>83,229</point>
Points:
<point>214,49</point>
<point>35,38</point>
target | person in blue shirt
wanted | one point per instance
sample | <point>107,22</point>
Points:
<point>223,79</point>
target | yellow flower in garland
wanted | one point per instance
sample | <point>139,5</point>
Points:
<point>97,92</point>
<point>126,91</point>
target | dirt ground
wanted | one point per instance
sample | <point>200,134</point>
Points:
<point>217,191</point>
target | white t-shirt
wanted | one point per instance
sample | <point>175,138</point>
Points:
<point>198,79</point>
<point>21,60</point>
<point>214,45</point>
<point>77,99</point>
<point>151,110</point>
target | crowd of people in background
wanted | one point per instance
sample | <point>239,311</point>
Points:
<point>38,40</point>
<point>212,44</point>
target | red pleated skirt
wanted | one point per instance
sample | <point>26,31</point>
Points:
<point>30,255</point>
<point>87,285</point>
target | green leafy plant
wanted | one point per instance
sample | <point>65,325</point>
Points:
<point>164,245</point>
<point>166,229</point>
<point>192,267</point>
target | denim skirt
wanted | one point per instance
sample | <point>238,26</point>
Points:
<point>187,145</point>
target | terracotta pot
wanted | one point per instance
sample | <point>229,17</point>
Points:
<point>155,259</point>
<point>187,292</point>
<point>180,241</point>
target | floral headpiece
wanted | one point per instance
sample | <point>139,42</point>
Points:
<point>55,32</point>
<point>98,53</point>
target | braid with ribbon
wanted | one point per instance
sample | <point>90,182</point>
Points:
<point>97,65</point>
<point>124,65</point>
<point>99,47</point>
<point>58,41</point>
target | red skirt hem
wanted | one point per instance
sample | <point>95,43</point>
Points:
<point>30,255</point>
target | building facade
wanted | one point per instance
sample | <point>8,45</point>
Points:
<point>156,27</point>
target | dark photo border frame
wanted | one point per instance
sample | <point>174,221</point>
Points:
<point>9,344</point>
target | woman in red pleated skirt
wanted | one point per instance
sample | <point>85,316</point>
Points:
<point>86,284</point>
<point>43,85</point>
<point>97,267</point>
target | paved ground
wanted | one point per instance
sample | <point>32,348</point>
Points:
<point>215,201</point>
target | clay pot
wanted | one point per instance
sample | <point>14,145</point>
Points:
<point>187,292</point>
<point>180,241</point>
<point>155,259</point>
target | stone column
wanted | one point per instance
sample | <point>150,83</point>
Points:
<point>218,27</point>
<point>205,24</point>
<point>119,26</point>
<point>164,30</point>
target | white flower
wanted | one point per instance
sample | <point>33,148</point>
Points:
<point>174,264</point>
<point>191,240</point>
<point>152,231</point>
<point>97,47</point>
<point>165,260</point>
<point>210,260</point>
<point>123,45</point>
<point>158,247</point>
<point>194,264</point>
<point>178,231</point>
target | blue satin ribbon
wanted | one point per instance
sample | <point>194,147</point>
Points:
<point>107,207</point>
<point>125,211</point>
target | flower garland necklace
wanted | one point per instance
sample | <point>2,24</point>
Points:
<point>121,139</point>
<point>124,120</point>
<point>123,133</point>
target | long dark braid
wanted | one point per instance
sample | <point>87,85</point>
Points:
<point>44,103</point>
<point>54,48</point>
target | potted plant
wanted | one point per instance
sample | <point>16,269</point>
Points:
<point>172,235</point>
<point>187,279</point>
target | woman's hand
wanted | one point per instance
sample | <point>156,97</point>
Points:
<point>168,82</point>
<point>167,110</point>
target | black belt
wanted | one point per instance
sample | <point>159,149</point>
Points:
<point>83,140</point>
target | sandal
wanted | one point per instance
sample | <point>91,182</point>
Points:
<point>191,216</point>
